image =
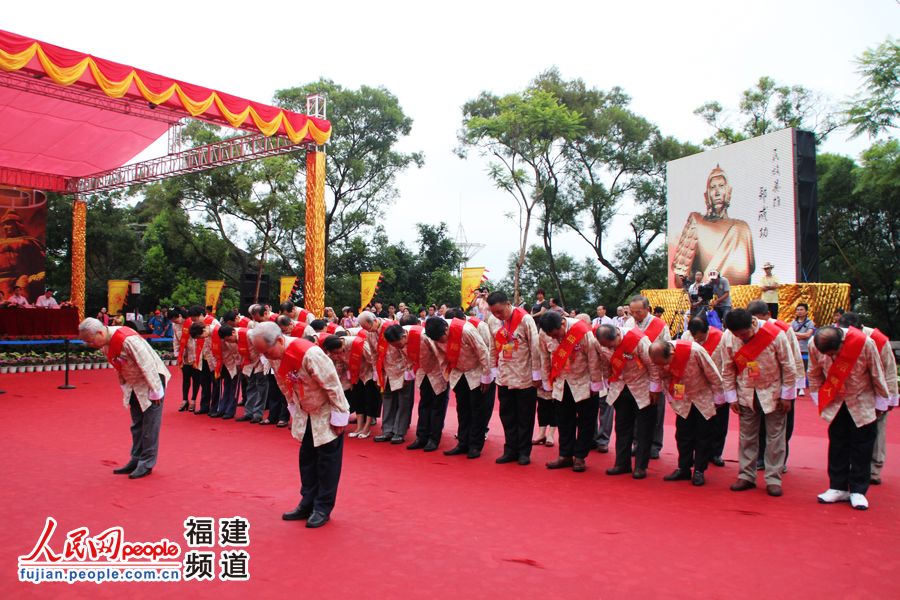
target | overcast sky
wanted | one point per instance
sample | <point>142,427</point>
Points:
<point>669,56</point>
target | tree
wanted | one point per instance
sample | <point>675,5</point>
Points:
<point>859,222</point>
<point>768,107</point>
<point>523,135</point>
<point>363,162</point>
<point>578,279</point>
<point>876,108</point>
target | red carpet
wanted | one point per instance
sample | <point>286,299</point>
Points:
<point>411,525</point>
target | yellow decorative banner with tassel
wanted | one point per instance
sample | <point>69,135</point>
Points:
<point>469,282</point>
<point>213,291</point>
<point>368,285</point>
<point>117,293</point>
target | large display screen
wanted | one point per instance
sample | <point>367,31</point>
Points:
<point>23,231</point>
<point>733,209</point>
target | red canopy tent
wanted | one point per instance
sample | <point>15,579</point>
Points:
<point>70,121</point>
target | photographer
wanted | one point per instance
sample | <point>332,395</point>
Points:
<point>699,293</point>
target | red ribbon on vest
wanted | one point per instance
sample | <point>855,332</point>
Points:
<point>713,337</point>
<point>293,357</point>
<point>243,346</point>
<point>752,349</point>
<point>357,347</point>
<point>454,342</point>
<point>851,349</point>
<point>298,329</point>
<point>331,327</point>
<point>382,352</point>
<point>183,340</point>
<point>273,317</point>
<point>780,324</point>
<point>207,321</point>
<point>880,340</point>
<point>508,329</point>
<point>563,352</point>
<point>627,346</point>
<point>320,339</point>
<point>303,316</point>
<point>655,328</point>
<point>679,363</point>
<point>243,322</point>
<point>475,321</point>
<point>216,347</point>
<point>116,342</point>
<point>414,345</point>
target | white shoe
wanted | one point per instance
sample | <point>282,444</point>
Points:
<point>831,496</point>
<point>859,502</point>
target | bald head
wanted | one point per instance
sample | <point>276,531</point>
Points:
<point>828,340</point>
<point>661,353</point>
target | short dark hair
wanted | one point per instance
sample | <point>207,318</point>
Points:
<point>551,321</point>
<point>850,319</point>
<point>332,343</point>
<point>436,327</point>
<point>409,320</point>
<point>828,338</point>
<point>196,311</point>
<point>497,298</point>
<point>393,333</point>
<point>231,315</point>
<point>287,306</point>
<point>698,325</point>
<point>839,311</point>
<point>196,330</point>
<point>225,331</point>
<point>258,310</point>
<point>318,324</point>
<point>738,319</point>
<point>758,308</point>
<point>804,305</point>
<point>209,308</point>
<point>606,332</point>
<point>455,313</point>
<point>658,310</point>
<point>283,320</point>
<point>540,291</point>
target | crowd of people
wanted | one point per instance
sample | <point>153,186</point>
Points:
<point>581,378</point>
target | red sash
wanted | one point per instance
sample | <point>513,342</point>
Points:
<point>655,328</point>
<point>475,321</point>
<point>382,352</point>
<point>320,339</point>
<point>564,351</point>
<point>679,363</point>
<point>183,340</point>
<point>216,347</point>
<point>243,346</point>
<point>508,329</point>
<point>454,342</point>
<point>356,356</point>
<point>851,349</point>
<point>331,328</point>
<point>752,349</point>
<point>243,322</point>
<point>712,340</point>
<point>293,357</point>
<point>273,317</point>
<point>114,349</point>
<point>414,345</point>
<point>207,320</point>
<point>880,340</point>
<point>628,345</point>
<point>780,324</point>
<point>304,314</point>
<point>298,329</point>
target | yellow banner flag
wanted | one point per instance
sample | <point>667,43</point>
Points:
<point>469,282</point>
<point>117,292</point>
<point>287,286</point>
<point>213,291</point>
<point>368,284</point>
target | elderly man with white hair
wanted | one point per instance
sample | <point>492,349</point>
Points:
<point>320,412</point>
<point>143,378</point>
<point>368,401</point>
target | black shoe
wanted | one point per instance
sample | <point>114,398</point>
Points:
<point>316,520</point>
<point>214,415</point>
<point>717,461</point>
<point>226,417</point>
<point>654,454</point>
<point>384,437</point>
<point>524,460</point>
<point>140,472</point>
<point>456,450</point>
<point>301,513</point>
<point>602,448</point>
<point>417,445</point>
<point>506,458</point>
<point>760,465</point>
<point>398,439</point>
<point>473,453</point>
<point>678,475</point>
<point>698,479</point>
<point>183,406</point>
<point>639,473</point>
<point>244,418</point>
<point>430,446</point>
<point>256,420</point>
<point>202,412</point>
<point>563,462</point>
<point>128,468</point>
<point>618,470</point>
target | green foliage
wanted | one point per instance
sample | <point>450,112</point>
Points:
<point>187,291</point>
<point>876,109</point>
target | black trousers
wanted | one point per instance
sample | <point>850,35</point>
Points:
<point>243,381</point>
<point>659,427</point>
<point>210,389</point>
<point>190,380</point>
<point>320,472</point>
<point>696,438</point>
<point>577,424</point>
<point>432,412</point>
<point>850,453</point>
<point>276,401</point>
<point>365,399</point>
<point>721,425</point>
<point>471,415</point>
<point>517,415</point>
<point>546,413</point>
<point>228,401</point>
<point>489,398</point>
<point>788,431</point>
<point>633,424</point>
